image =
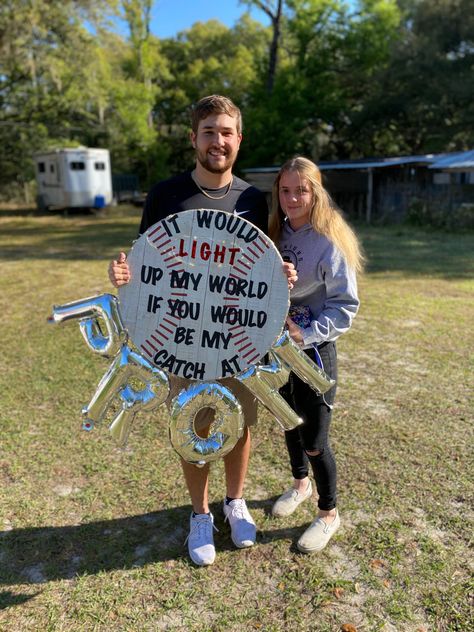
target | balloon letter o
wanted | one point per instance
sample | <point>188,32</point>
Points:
<point>224,432</point>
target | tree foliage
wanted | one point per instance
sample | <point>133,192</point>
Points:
<point>424,95</point>
<point>327,78</point>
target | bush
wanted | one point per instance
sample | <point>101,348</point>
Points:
<point>463,216</point>
<point>18,193</point>
<point>439,215</point>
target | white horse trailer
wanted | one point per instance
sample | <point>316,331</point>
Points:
<point>73,178</point>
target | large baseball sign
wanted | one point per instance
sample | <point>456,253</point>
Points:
<point>208,296</point>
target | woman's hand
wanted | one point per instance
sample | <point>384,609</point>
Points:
<point>291,274</point>
<point>294,331</point>
<point>119,272</point>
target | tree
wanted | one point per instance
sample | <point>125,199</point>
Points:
<point>273,10</point>
<point>207,58</point>
<point>424,101</point>
<point>144,69</point>
<point>44,50</point>
<point>327,78</point>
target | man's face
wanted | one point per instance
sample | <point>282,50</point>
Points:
<point>217,142</point>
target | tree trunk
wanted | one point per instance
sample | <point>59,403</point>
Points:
<point>276,18</point>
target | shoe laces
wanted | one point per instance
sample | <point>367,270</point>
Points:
<point>238,509</point>
<point>201,526</point>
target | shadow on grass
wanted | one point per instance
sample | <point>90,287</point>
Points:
<point>73,237</point>
<point>36,555</point>
<point>20,212</point>
<point>7,599</point>
<point>32,211</point>
<point>69,243</point>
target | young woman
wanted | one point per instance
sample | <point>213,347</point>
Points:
<point>312,234</point>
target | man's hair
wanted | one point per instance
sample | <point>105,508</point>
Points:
<point>215,104</point>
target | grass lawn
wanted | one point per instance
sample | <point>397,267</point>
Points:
<point>92,537</point>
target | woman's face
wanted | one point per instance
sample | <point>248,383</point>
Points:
<point>296,198</point>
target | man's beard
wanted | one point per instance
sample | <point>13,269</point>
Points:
<point>205,162</point>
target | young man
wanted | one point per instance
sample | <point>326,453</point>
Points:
<point>216,136</point>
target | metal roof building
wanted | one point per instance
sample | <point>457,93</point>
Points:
<point>359,180</point>
<point>460,161</point>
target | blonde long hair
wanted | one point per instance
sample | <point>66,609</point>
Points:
<point>324,216</point>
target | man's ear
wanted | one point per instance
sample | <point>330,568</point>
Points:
<point>192,136</point>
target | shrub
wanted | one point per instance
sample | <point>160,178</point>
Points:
<point>438,214</point>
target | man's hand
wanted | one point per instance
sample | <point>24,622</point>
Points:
<point>294,331</point>
<point>291,274</point>
<point>119,272</point>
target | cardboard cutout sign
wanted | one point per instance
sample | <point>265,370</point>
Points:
<point>208,296</point>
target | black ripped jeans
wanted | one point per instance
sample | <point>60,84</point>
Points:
<point>313,434</point>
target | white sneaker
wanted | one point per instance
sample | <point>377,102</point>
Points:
<point>242,526</point>
<point>318,534</point>
<point>290,500</point>
<point>201,539</point>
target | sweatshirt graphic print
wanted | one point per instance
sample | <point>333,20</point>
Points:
<point>326,284</point>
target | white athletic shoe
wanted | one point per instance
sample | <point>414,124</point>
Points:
<point>242,526</point>
<point>290,501</point>
<point>201,539</point>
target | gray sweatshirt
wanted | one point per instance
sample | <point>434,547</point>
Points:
<point>325,283</point>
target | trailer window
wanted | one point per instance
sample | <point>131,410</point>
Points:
<point>41,167</point>
<point>99,166</point>
<point>77,166</point>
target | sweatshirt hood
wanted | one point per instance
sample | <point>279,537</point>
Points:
<point>303,229</point>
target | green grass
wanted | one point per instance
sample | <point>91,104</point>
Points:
<point>91,537</point>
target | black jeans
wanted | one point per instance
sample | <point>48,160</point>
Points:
<point>313,434</point>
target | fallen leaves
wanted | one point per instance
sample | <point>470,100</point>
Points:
<point>377,563</point>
